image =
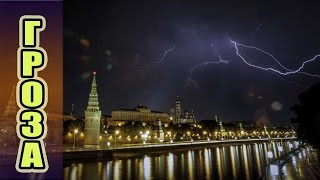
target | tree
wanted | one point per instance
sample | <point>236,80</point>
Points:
<point>71,125</point>
<point>308,116</point>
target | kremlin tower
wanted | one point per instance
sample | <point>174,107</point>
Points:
<point>178,110</point>
<point>92,118</point>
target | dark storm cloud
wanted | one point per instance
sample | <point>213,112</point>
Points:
<point>122,38</point>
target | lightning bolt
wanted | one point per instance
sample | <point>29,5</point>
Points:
<point>284,73</point>
<point>291,82</point>
<point>149,67</point>
<point>190,81</point>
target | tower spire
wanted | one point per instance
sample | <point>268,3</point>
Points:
<point>93,103</point>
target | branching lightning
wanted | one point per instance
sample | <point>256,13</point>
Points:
<point>149,67</point>
<point>291,82</point>
<point>284,73</point>
<point>190,81</point>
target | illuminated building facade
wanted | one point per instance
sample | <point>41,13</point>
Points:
<point>187,117</point>
<point>139,113</point>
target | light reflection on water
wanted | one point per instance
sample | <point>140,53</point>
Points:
<point>190,164</point>
<point>223,162</point>
<point>170,166</point>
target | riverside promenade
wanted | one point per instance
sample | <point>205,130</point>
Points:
<point>129,149</point>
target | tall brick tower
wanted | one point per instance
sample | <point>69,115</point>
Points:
<point>92,118</point>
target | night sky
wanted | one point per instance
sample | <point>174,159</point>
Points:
<point>125,44</point>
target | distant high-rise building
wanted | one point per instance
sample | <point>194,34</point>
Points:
<point>8,122</point>
<point>192,118</point>
<point>92,117</point>
<point>178,110</point>
<point>11,108</point>
<point>172,115</point>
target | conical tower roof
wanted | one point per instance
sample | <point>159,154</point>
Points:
<point>93,103</point>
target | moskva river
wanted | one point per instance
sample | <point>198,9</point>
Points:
<point>232,161</point>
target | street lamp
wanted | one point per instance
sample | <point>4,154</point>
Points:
<point>100,139</point>
<point>108,144</point>
<point>115,138</point>
<point>74,137</point>
<point>144,136</point>
<point>204,132</point>
<point>169,133</point>
<point>188,133</point>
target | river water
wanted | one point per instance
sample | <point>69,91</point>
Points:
<point>235,161</point>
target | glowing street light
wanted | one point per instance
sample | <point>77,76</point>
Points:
<point>188,133</point>
<point>115,138</point>
<point>108,145</point>
<point>203,133</point>
<point>75,131</point>
<point>144,136</point>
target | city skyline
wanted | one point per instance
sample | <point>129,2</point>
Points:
<point>171,115</point>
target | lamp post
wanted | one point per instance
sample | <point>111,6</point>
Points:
<point>169,133</point>
<point>100,139</point>
<point>115,138</point>
<point>144,136</point>
<point>74,137</point>
<point>204,132</point>
<point>188,133</point>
